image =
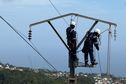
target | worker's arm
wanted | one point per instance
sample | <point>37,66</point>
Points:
<point>96,42</point>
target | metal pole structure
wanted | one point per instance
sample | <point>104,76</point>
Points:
<point>75,14</point>
<point>109,52</point>
<point>72,65</point>
<point>72,79</point>
<point>58,35</point>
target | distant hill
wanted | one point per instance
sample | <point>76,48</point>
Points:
<point>10,74</point>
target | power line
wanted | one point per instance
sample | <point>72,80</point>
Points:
<point>57,10</point>
<point>34,48</point>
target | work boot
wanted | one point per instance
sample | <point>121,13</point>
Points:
<point>94,63</point>
<point>86,64</point>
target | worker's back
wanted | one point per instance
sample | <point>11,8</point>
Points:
<point>89,41</point>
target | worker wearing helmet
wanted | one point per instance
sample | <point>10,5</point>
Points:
<point>92,39</point>
<point>71,33</point>
<point>71,41</point>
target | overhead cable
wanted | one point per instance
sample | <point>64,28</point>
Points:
<point>57,10</point>
<point>34,48</point>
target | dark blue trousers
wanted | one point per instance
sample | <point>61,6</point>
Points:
<point>92,59</point>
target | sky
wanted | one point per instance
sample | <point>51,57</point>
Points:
<point>21,13</point>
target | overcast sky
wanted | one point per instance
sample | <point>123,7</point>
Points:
<point>21,13</point>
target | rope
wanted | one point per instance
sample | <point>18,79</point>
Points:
<point>104,31</point>
<point>99,62</point>
<point>91,73</point>
<point>35,49</point>
<point>91,70</point>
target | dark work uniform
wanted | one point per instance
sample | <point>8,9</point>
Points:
<point>91,40</point>
<point>71,41</point>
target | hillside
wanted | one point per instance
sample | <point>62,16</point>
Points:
<point>10,74</point>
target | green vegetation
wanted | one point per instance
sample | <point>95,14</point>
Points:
<point>10,74</point>
<point>26,77</point>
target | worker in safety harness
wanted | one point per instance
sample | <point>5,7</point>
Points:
<point>71,41</point>
<point>92,39</point>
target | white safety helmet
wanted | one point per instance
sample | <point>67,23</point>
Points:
<point>98,31</point>
<point>72,23</point>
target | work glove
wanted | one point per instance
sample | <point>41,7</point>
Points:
<point>97,47</point>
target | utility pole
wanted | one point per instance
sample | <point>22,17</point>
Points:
<point>109,52</point>
<point>72,64</point>
<point>72,78</point>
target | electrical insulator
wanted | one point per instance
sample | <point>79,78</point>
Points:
<point>115,34</point>
<point>30,35</point>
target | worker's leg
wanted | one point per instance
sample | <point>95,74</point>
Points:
<point>91,56</point>
<point>86,58</point>
<point>93,60</point>
<point>74,54</point>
